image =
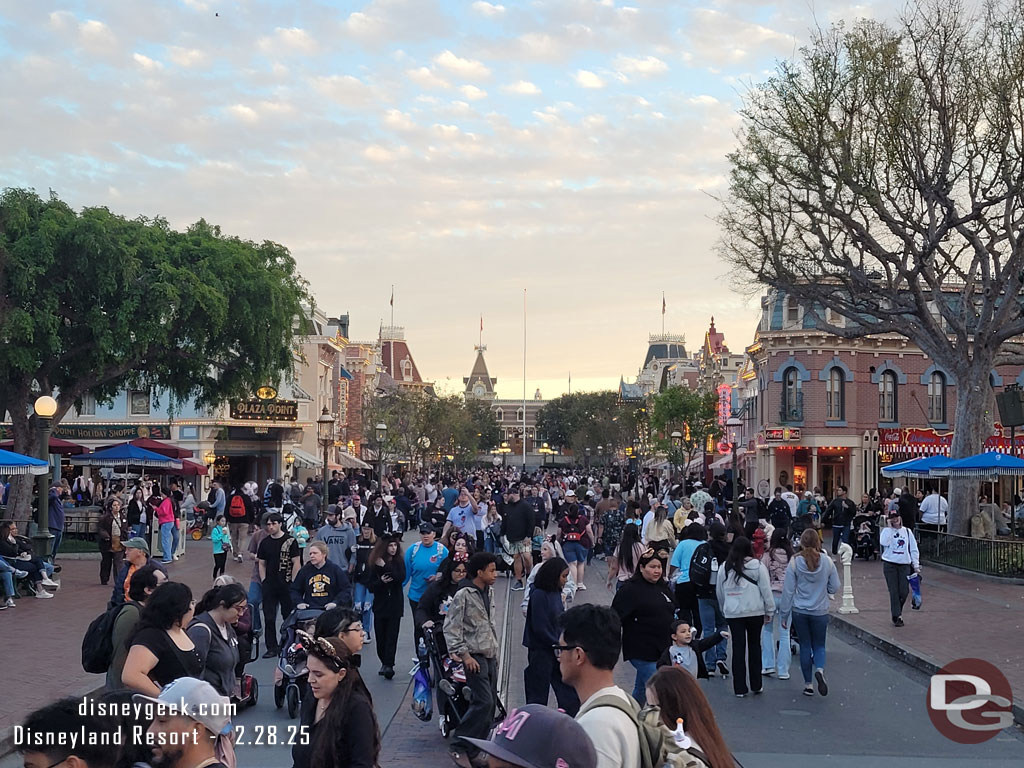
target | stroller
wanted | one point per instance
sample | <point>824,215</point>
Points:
<point>291,673</point>
<point>865,531</point>
<point>449,675</point>
<point>248,650</point>
<point>200,521</point>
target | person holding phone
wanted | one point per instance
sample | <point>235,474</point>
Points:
<point>900,559</point>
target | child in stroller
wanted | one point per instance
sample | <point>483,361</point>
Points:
<point>865,526</point>
<point>290,675</point>
<point>449,675</point>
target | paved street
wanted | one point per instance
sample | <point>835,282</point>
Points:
<point>875,707</point>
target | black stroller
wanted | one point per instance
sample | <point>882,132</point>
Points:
<point>290,676</point>
<point>248,650</point>
<point>865,536</point>
<point>449,676</point>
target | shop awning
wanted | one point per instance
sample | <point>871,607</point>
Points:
<point>303,459</point>
<point>156,446</point>
<point>725,462</point>
<point>348,461</point>
<point>57,446</point>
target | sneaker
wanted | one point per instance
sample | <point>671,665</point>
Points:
<point>808,690</point>
<point>758,692</point>
<point>50,583</point>
<point>898,621</point>
<point>20,574</point>
<point>723,668</point>
<point>767,672</point>
<point>819,675</point>
<point>166,562</point>
<point>581,586</point>
<point>741,695</point>
<point>9,602</point>
<point>3,607</point>
<point>711,673</point>
<point>42,594</point>
<point>517,586</point>
<point>783,677</point>
<point>389,673</point>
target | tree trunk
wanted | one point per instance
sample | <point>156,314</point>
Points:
<point>972,426</point>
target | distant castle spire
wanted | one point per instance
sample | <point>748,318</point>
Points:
<point>479,384</point>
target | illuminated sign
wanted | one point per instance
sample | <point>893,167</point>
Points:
<point>781,434</point>
<point>724,403</point>
<point>265,410</point>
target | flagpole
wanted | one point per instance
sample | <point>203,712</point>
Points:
<point>662,313</point>
<point>524,380</point>
<point>391,345</point>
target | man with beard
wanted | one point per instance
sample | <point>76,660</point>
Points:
<point>190,721</point>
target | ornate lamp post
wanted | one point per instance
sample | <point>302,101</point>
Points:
<point>209,459</point>
<point>733,425</point>
<point>381,433</point>
<point>325,436</point>
<point>586,458</point>
<point>289,460</point>
<point>45,408</point>
<point>677,445</point>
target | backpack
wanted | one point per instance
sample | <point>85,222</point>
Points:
<point>98,642</point>
<point>657,747</point>
<point>571,534</point>
<point>700,566</point>
<point>237,507</point>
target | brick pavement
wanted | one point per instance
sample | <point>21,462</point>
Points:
<point>962,615</point>
<point>43,638</point>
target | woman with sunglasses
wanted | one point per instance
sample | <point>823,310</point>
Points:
<point>338,717</point>
<point>646,606</point>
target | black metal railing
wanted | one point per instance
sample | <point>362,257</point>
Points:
<point>995,557</point>
<point>792,409</point>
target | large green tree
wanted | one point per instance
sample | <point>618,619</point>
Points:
<point>587,420</point>
<point>93,302</point>
<point>692,413</point>
<point>880,175</point>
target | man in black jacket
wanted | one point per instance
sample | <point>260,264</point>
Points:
<point>779,514</point>
<point>841,510</point>
<point>517,524</point>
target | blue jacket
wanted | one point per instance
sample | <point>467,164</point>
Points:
<point>420,564</point>
<point>541,628</point>
<point>55,521</point>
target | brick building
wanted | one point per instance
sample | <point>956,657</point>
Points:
<point>834,411</point>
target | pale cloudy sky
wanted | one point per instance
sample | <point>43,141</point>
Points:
<point>460,150</point>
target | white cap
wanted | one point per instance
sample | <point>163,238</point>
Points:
<point>570,494</point>
<point>197,700</point>
<point>896,491</point>
<point>698,484</point>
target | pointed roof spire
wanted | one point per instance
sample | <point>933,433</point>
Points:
<point>479,383</point>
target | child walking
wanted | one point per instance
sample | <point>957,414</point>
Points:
<point>221,544</point>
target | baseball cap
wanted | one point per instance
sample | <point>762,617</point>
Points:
<point>332,509</point>
<point>698,484</point>
<point>535,736</point>
<point>896,491</point>
<point>427,528</point>
<point>570,494</point>
<point>349,513</point>
<point>195,699</point>
<point>137,542</point>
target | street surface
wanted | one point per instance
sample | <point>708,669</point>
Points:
<point>875,709</point>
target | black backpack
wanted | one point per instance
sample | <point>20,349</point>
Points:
<point>700,566</point>
<point>98,643</point>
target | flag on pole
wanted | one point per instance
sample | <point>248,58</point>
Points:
<point>393,296</point>
<point>663,302</point>
<point>481,323</point>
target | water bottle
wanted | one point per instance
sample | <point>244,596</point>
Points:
<point>421,649</point>
<point>679,735</point>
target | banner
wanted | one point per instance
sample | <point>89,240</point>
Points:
<point>114,432</point>
<point>910,440</point>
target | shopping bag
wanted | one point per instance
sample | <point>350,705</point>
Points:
<point>421,699</point>
<point>915,591</point>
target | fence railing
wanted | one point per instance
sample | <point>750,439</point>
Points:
<point>995,557</point>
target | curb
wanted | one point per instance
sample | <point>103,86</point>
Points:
<point>908,656</point>
<point>7,734</point>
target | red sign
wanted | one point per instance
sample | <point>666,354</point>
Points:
<point>724,403</point>
<point>912,440</point>
<point>780,434</point>
<point>724,447</point>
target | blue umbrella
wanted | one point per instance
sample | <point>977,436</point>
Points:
<point>126,455</point>
<point>15,464</point>
<point>982,465</point>
<point>920,467</point>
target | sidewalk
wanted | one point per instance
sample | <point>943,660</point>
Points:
<point>43,638</point>
<point>962,616</point>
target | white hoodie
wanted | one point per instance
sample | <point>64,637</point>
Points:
<point>751,596</point>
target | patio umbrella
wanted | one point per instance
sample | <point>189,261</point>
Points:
<point>57,446</point>
<point>127,455</point>
<point>16,464</point>
<point>920,467</point>
<point>165,449</point>
<point>983,465</point>
<point>189,468</point>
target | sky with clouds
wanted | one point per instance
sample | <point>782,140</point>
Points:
<point>462,151</point>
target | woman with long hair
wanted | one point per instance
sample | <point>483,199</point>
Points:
<point>775,658</point>
<point>678,696</point>
<point>810,578</point>
<point>661,532</point>
<point>745,593</point>
<point>646,607</point>
<point>549,548</point>
<point>138,519</point>
<point>574,531</point>
<point>387,572</point>
<point>110,534</point>
<point>160,651</point>
<point>338,717</point>
<point>213,632</point>
<point>362,597</point>
<point>433,604</point>
<point>622,564</point>
<point>540,633</point>
<point>16,552</point>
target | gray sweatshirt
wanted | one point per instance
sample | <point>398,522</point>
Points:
<point>807,591</point>
<point>749,594</point>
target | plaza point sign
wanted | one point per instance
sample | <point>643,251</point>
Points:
<point>265,410</point>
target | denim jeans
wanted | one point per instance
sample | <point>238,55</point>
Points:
<point>58,536</point>
<point>7,578</point>
<point>255,600</point>
<point>769,660</point>
<point>644,670</point>
<point>139,530</point>
<point>840,533</point>
<point>167,541</point>
<point>812,642</point>
<point>712,620</point>
<point>362,600</point>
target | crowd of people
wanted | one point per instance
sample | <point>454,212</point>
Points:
<point>690,578</point>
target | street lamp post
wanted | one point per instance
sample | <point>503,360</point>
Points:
<point>733,425</point>
<point>325,435</point>
<point>381,434</point>
<point>45,408</point>
<point>677,444</point>
<point>209,459</point>
<point>586,457</point>
<point>289,460</point>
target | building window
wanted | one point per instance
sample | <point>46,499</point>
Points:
<point>519,415</point>
<point>792,311</point>
<point>834,394</point>
<point>887,397</point>
<point>792,408</point>
<point>937,398</point>
<point>499,414</point>
<point>138,402</point>
<point>406,369</point>
<point>88,406</point>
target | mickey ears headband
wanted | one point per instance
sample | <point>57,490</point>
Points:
<point>322,649</point>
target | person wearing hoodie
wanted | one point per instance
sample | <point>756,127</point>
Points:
<point>320,583</point>
<point>745,593</point>
<point>339,534</point>
<point>810,578</point>
<point>776,559</point>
